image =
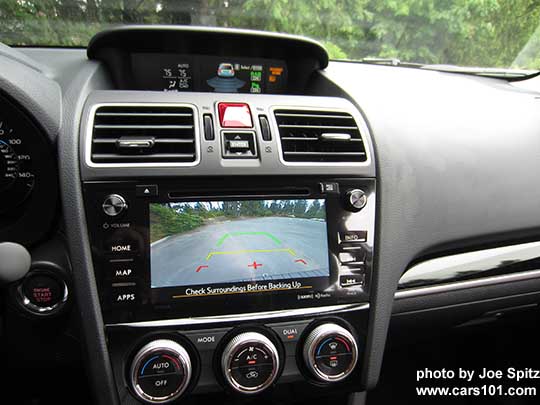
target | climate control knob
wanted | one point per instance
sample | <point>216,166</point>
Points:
<point>330,352</point>
<point>161,371</point>
<point>250,363</point>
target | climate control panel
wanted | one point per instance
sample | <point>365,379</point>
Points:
<point>244,360</point>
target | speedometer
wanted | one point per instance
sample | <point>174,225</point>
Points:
<point>16,174</point>
<point>28,175</point>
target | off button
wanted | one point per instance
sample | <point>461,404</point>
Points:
<point>160,386</point>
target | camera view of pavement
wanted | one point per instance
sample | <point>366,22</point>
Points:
<point>254,249</point>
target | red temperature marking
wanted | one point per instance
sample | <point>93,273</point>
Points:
<point>200,268</point>
<point>300,261</point>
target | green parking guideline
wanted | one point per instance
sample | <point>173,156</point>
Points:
<point>222,239</point>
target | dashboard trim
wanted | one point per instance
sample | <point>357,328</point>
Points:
<point>90,126</point>
<point>249,317</point>
<point>461,285</point>
<point>469,266</point>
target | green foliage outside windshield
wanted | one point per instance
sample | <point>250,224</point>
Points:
<point>495,33</point>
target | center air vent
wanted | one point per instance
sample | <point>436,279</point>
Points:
<point>144,134</point>
<point>319,137</point>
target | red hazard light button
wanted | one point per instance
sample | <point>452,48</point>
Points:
<point>234,115</point>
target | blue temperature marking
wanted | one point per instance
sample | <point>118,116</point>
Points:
<point>322,344</point>
<point>148,361</point>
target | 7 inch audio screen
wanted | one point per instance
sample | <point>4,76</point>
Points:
<point>234,243</point>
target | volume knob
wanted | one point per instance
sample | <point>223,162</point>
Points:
<point>114,205</point>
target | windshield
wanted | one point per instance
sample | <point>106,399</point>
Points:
<point>485,33</point>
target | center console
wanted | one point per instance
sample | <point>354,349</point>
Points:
<point>231,258</point>
<point>205,285</point>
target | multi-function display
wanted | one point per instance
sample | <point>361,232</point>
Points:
<point>212,248</point>
<point>169,72</point>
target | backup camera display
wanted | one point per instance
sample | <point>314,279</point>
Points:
<point>231,243</point>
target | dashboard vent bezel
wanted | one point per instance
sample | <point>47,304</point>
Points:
<point>316,110</point>
<point>90,130</point>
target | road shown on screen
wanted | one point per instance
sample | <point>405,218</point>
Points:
<point>255,249</point>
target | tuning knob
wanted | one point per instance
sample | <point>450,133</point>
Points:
<point>114,205</point>
<point>160,372</point>
<point>355,199</point>
<point>250,363</point>
<point>330,352</point>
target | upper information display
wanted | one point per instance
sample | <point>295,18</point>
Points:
<point>170,72</point>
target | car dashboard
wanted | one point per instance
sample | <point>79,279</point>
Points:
<point>227,214</point>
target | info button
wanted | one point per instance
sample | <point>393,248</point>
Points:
<point>352,237</point>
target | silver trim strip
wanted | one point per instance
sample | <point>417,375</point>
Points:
<point>90,126</point>
<point>461,285</point>
<point>244,317</point>
<point>447,268</point>
<point>453,266</point>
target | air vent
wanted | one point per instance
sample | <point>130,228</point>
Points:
<point>144,134</point>
<point>319,137</point>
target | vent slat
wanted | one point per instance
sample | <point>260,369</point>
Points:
<point>169,132</point>
<point>315,126</point>
<point>108,114</point>
<point>312,116</point>
<point>164,140</point>
<point>319,137</point>
<point>143,126</point>
<point>104,157</point>
<point>324,153</point>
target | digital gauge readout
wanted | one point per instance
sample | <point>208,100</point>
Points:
<point>16,174</point>
<point>215,74</point>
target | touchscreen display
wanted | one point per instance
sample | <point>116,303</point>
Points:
<point>262,243</point>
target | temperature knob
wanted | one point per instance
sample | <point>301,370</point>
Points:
<point>161,371</point>
<point>250,363</point>
<point>330,352</point>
